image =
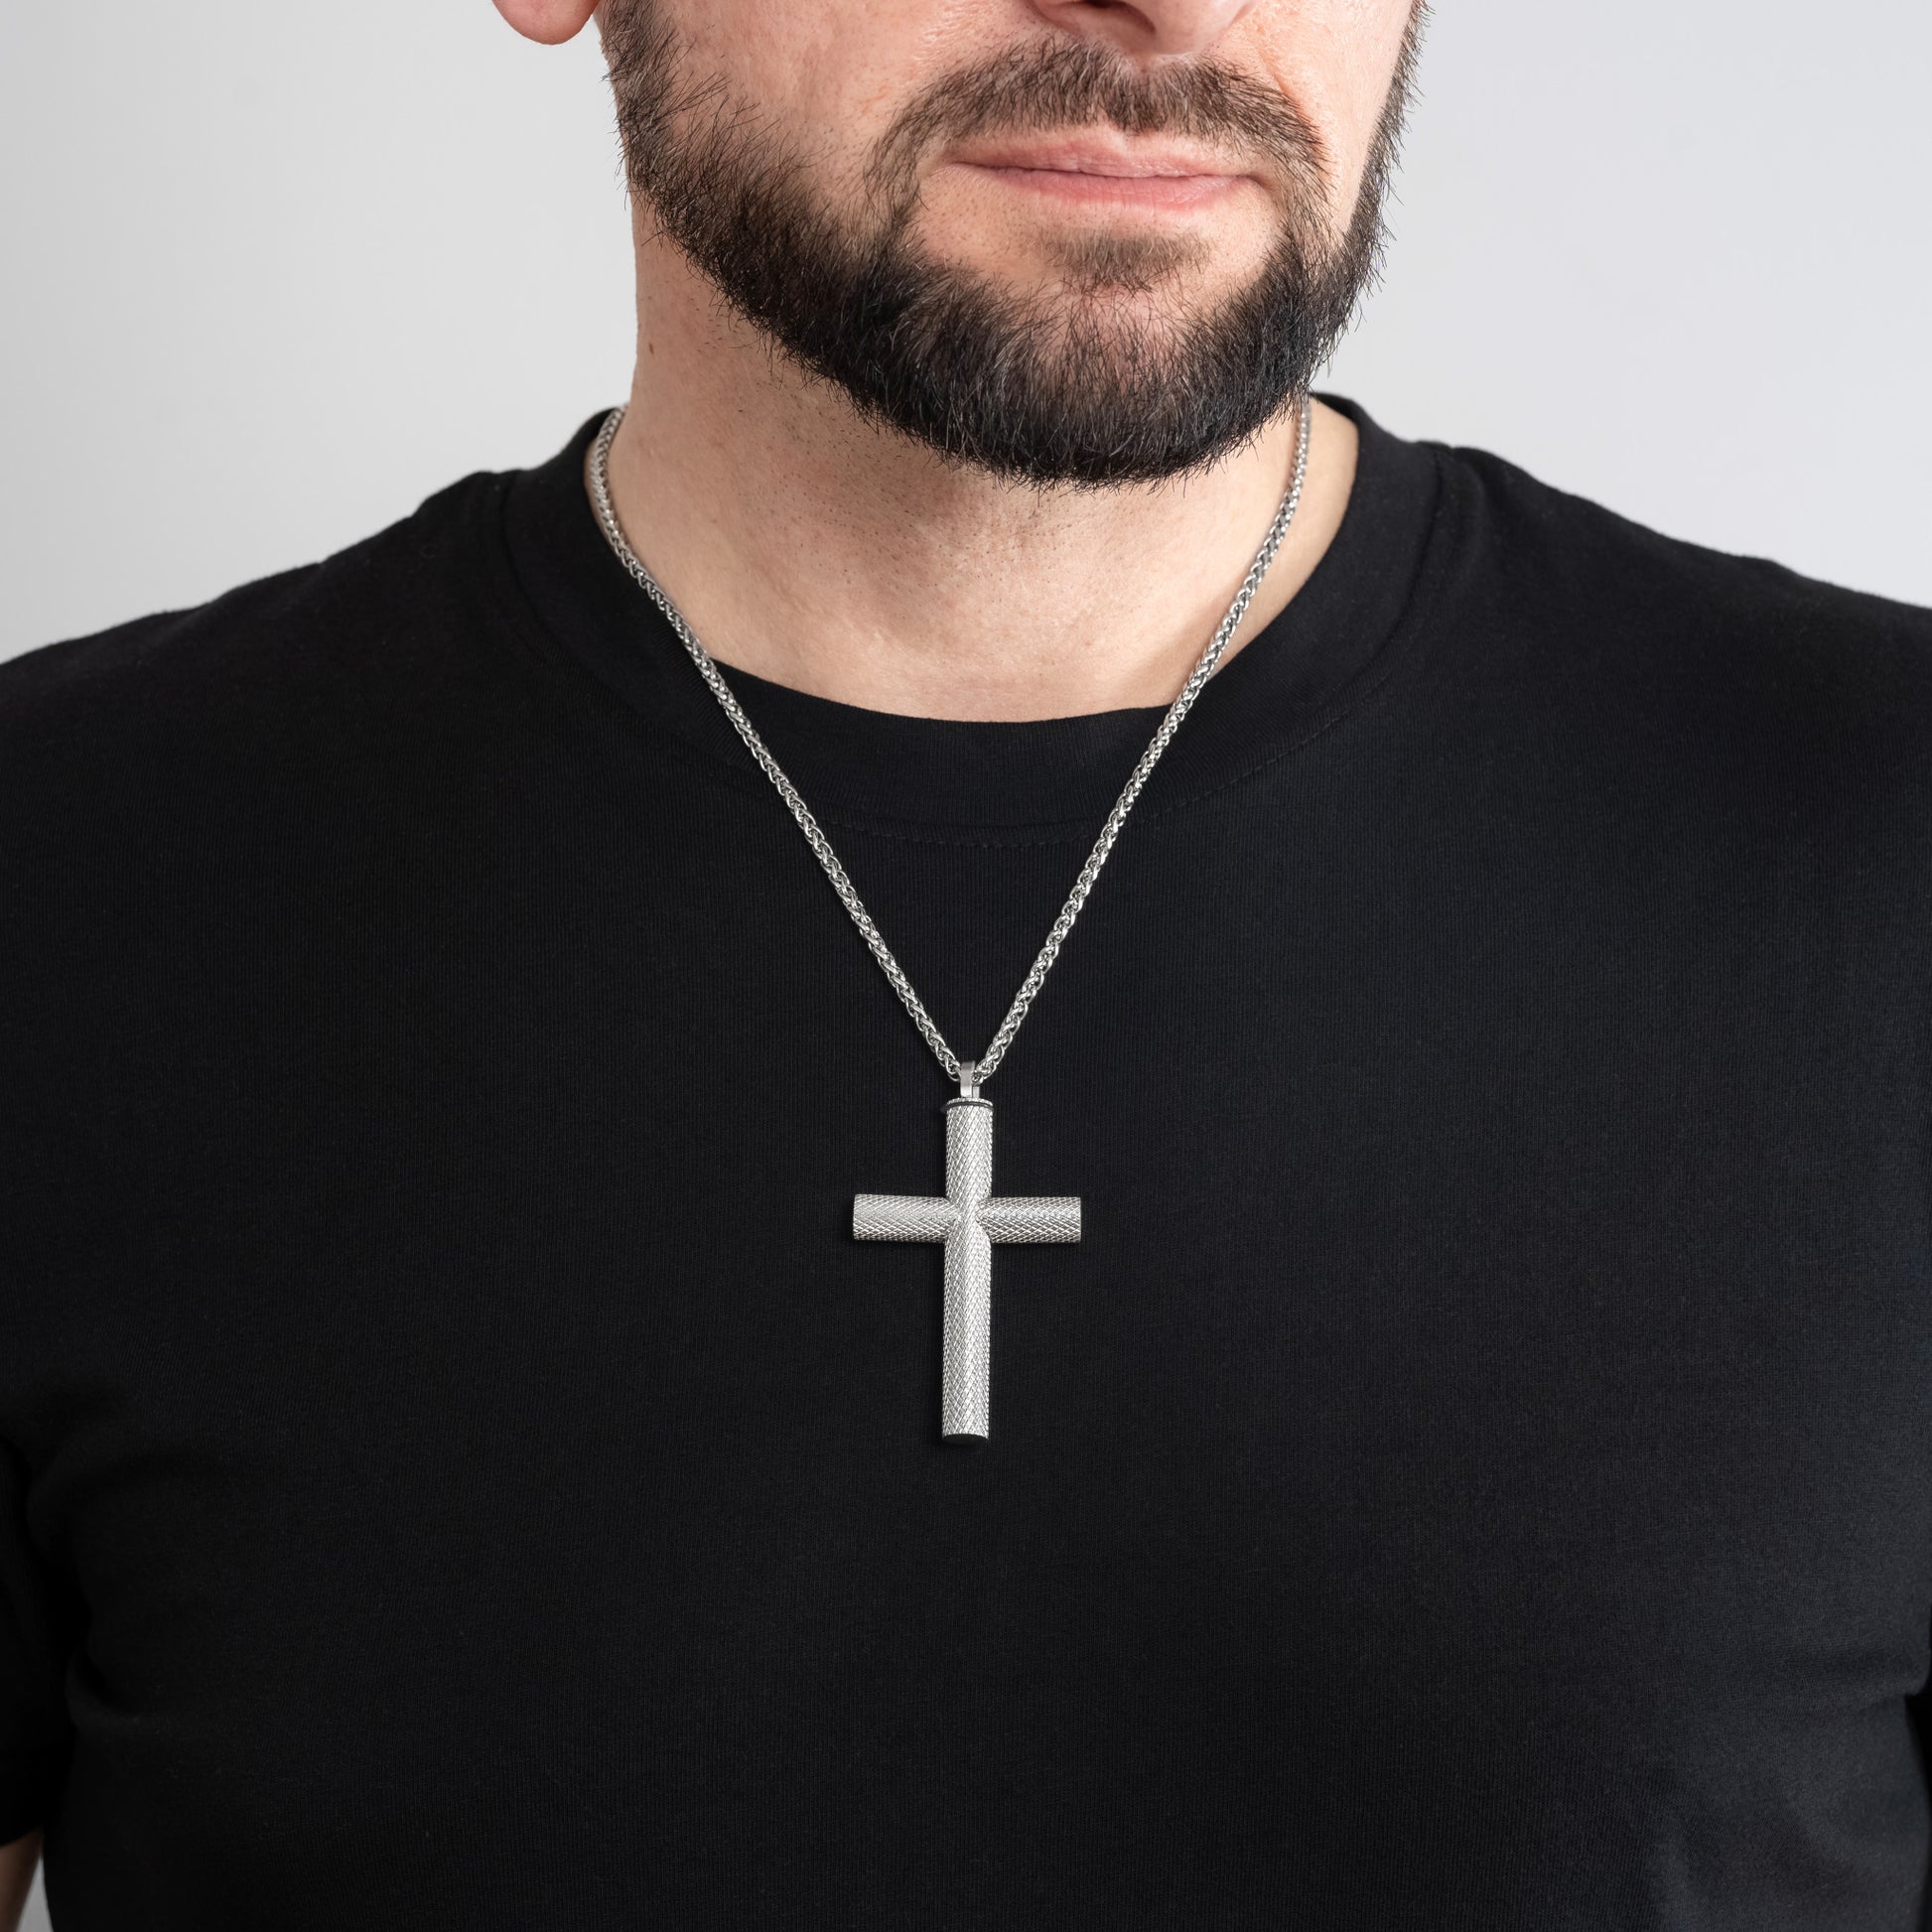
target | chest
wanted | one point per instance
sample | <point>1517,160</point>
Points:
<point>1491,1300</point>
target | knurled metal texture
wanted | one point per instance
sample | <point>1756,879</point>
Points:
<point>1031,1218</point>
<point>968,1219</point>
<point>903,1217</point>
<point>969,1152</point>
<point>966,1362</point>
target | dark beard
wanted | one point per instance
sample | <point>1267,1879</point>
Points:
<point>1070,395</point>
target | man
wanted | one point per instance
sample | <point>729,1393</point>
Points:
<point>531,1393</point>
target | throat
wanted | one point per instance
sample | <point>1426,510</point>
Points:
<point>955,597</point>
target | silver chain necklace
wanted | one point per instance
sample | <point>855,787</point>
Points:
<point>968,1217</point>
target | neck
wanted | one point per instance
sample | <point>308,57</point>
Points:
<point>815,550</point>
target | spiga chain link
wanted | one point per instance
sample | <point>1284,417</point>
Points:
<point>956,1070</point>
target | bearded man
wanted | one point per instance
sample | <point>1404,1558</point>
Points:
<point>531,1391</point>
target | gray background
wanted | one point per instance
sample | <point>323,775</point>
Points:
<point>275,273</point>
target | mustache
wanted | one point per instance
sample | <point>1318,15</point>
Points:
<point>1053,86</point>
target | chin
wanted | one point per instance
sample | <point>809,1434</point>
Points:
<point>1136,279</point>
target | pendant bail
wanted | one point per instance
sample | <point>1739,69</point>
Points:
<point>969,1079</point>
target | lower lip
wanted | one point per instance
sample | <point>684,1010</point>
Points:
<point>1154,191</point>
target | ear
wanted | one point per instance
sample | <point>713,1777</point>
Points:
<point>548,21</point>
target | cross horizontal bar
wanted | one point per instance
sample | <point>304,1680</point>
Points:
<point>1031,1218</point>
<point>903,1217</point>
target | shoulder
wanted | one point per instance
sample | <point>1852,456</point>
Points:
<point>207,770</point>
<point>293,666</point>
<point>263,650</point>
<point>1652,643</point>
<point>1549,551</point>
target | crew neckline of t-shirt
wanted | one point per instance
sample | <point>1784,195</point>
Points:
<point>1335,641</point>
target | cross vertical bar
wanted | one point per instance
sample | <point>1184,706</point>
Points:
<point>966,1357</point>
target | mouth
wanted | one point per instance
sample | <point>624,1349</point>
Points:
<point>1097,168</point>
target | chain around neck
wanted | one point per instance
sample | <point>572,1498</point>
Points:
<point>970,1074</point>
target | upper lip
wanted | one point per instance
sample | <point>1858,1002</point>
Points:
<point>1097,151</point>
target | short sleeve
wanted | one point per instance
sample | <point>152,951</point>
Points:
<point>33,1729</point>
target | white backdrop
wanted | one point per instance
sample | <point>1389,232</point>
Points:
<point>272,274</point>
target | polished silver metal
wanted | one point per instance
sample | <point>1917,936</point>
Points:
<point>989,1061</point>
<point>968,1219</point>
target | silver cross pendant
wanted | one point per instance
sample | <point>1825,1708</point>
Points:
<point>968,1219</point>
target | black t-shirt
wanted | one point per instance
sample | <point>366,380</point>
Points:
<point>458,1468</point>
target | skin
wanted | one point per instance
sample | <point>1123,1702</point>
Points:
<point>814,549</point>
<point>811,548</point>
<point>17,1863</point>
